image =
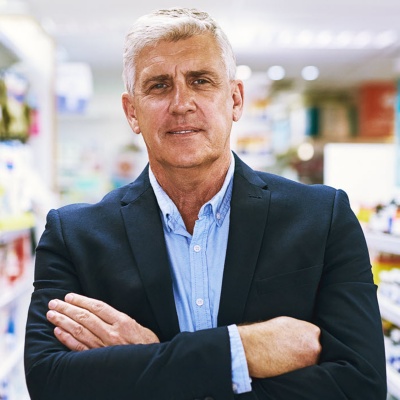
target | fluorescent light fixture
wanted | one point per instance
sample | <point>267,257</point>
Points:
<point>385,39</point>
<point>362,39</point>
<point>305,151</point>
<point>343,39</point>
<point>276,73</point>
<point>324,38</point>
<point>285,38</point>
<point>310,73</point>
<point>305,38</point>
<point>243,72</point>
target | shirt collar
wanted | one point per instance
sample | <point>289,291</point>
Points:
<point>218,206</point>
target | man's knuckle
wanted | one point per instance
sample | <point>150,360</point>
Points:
<point>82,316</point>
<point>80,347</point>
<point>77,331</point>
<point>97,306</point>
<point>113,337</point>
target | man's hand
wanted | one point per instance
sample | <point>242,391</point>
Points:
<point>83,323</point>
<point>279,345</point>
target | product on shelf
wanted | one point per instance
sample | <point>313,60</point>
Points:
<point>15,288</point>
<point>384,218</point>
<point>387,269</point>
<point>15,188</point>
<point>15,110</point>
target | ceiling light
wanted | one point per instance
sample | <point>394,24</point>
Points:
<point>310,73</point>
<point>385,39</point>
<point>343,39</point>
<point>304,39</point>
<point>324,38</point>
<point>276,73</point>
<point>285,38</point>
<point>243,72</point>
<point>362,39</point>
<point>305,151</point>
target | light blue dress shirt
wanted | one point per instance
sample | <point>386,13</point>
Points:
<point>197,266</point>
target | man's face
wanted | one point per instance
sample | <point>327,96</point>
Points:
<point>184,103</point>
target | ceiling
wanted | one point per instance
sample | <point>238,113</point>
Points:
<point>348,40</point>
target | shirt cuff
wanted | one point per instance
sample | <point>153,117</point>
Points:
<point>241,381</point>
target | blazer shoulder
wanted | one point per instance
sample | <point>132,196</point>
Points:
<point>282,188</point>
<point>300,194</point>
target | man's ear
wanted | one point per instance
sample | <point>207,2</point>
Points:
<point>130,112</point>
<point>238,97</point>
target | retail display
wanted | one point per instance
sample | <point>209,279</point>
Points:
<point>17,223</point>
<point>26,135</point>
<point>383,239</point>
<point>15,285</point>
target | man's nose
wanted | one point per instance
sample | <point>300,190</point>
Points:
<point>182,100</point>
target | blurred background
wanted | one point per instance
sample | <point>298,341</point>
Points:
<point>321,106</point>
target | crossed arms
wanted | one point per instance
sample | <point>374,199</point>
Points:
<point>272,347</point>
<point>98,352</point>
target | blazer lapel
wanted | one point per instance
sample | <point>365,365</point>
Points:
<point>249,211</point>
<point>144,228</point>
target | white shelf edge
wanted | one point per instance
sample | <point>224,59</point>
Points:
<point>383,242</point>
<point>393,381</point>
<point>11,360</point>
<point>9,236</point>
<point>389,310</point>
<point>16,291</point>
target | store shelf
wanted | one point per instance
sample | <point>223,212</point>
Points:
<point>389,310</point>
<point>10,361</point>
<point>14,292</point>
<point>393,381</point>
<point>13,226</point>
<point>383,242</point>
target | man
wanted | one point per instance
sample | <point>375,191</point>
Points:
<point>203,278</point>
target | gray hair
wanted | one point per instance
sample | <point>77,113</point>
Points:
<point>172,25</point>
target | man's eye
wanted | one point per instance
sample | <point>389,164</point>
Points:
<point>159,86</point>
<point>200,81</point>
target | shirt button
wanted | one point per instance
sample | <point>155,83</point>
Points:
<point>199,302</point>
<point>197,248</point>
<point>218,215</point>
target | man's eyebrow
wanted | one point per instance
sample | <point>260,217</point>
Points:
<point>200,73</point>
<point>156,78</point>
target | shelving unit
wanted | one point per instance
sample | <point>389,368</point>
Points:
<point>21,288</point>
<point>26,49</point>
<point>381,242</point>
<point>14,302</point>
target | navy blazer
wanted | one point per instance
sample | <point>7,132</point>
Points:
<point>293,250</point>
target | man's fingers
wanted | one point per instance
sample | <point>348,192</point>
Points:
<point>68,340</point>
<point>105,312</point>
<point>69,328</point>
<point>80,323</point>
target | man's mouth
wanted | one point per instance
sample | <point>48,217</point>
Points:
<point>184,131</point>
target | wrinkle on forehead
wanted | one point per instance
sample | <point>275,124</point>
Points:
<point>172,58</point>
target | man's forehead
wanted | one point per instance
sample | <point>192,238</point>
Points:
<point>194,50</point>
<point>185,67</point>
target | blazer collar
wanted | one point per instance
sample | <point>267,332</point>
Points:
<point>146,237</point>
<point>249,212</point>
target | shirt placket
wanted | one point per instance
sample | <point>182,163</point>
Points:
<point>199,275</point>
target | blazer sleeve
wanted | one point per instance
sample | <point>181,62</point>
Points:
<point>352,363</point>
<point>190,366</point>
